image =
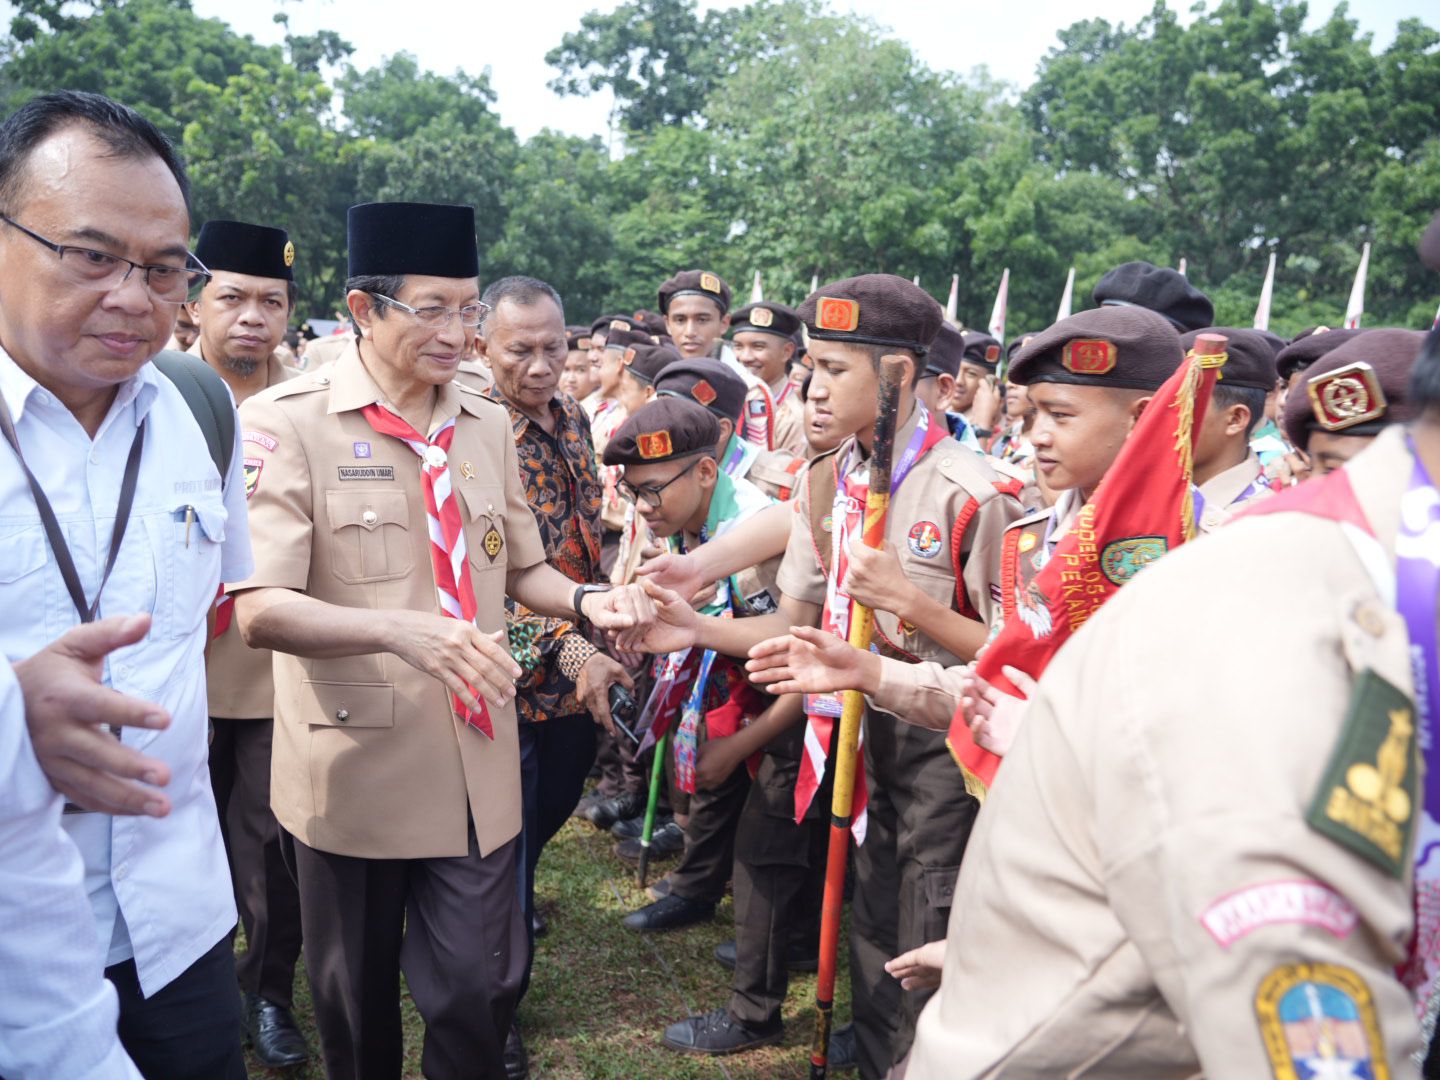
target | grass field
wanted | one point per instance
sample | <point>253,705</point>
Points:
<point>601,995</point>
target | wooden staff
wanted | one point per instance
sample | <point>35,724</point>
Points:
<point>862,625</point>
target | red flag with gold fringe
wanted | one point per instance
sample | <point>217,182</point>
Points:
<point>1142,509</point>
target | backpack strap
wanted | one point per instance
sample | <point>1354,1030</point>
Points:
<point>208,399</point>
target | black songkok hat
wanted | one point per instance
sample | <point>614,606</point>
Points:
<point>699,283</point>
<point>1124,347</point>
<point>874,309</point>
<point>412,238</point>
<point>1250,358</point>
<point>1156,288</point>
<point>242,248</point>
<point>663,430</point>
<point>765,317</point>
<point>709,382</point>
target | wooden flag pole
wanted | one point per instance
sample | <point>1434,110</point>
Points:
<point>862,625</point>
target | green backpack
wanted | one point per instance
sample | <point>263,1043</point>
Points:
<point>209,400</point>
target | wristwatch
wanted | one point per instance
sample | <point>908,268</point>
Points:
<point>580,593</point>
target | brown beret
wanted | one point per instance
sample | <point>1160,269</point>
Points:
<point>1306,349</point>
<point>946,352</point>
<point>1250,358</point>
<point>577,337</point>
<point>765,317</point>
<point>981,349</point>
<point>1128,348</point>
<point>654,324</point>
<point>647,360</point>
<point>1156,288</point>
<point>873,309</point>
<point>622,334</point>
<point>1014,346</point>
<point>1358,388</point>
<point>709,382</point>
<point>699,282</point>
<point>600,325</point>
<point>663,430</point>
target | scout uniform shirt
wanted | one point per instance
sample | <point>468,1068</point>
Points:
<point>369,759</point>
<point>1228,492</point>
<point>240,683</point>
<point>945,523</point>
<point>1147,892</point>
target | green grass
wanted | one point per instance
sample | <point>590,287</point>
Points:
<point>601,995</point>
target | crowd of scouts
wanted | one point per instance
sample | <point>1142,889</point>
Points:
<point>504,571</point>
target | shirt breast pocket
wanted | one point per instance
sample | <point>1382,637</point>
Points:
<point>23,555</point>
<point>369,535</point>
<point>485,536</point>
<point>187,541</point>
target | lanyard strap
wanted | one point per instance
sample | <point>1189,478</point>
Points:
<point>86,611</point>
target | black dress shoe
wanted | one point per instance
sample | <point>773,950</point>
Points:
<point>631,828</point>
<point>665,843</point>
<point>606,812</point>
<point>717,1032</point>
<point>517,1062</point>
<point>587,801</point>
<point>669,913</point>
<point>843,1053</point>
<point>538,924</point>
<point>660,889</point>
<point>273,1034</point>
<point>796,958</point>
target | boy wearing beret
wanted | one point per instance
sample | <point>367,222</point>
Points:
<point>696,307</point>
<point>947,513</point>
<point>764,343</point>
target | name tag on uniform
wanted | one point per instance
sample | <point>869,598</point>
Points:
<point>367,472</point>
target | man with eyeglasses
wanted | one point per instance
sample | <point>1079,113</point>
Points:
<point>242,313</point>
<point>114,506</point>
<point>391,525</point>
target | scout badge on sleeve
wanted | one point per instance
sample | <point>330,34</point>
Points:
<point>1319,1020</point>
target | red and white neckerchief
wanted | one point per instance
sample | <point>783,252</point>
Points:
<point>847,522</point>
<point>448,555</point>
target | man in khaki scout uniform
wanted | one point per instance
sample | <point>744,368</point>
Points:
<point>396,769</point>
<point>945,522</point>
<point>763,337</point>
<point>242,315</point>
<point>1162,888</point>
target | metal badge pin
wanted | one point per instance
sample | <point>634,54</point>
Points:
<point>467,470</point>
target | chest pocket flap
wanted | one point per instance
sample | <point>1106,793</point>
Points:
<point>370,538</point>
<point>485,509</point>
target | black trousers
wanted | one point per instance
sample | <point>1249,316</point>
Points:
<point>709,857</point>
<point>779,884</point>
<point>920,817</point>
<point>454,925</point>
<point>265,892</point>
<point>189,1030</point>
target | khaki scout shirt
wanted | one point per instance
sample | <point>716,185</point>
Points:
<point>238,677</point>
<point>368,758</point>
<point>789,432</point>
<point>950,486</point>
<point>1143,867</point>
<point>1222,490</point>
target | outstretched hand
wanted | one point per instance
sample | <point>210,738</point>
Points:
<point>993,715</point>
<point>919,969</point>
<point>812,661</point>
<point>672,628</point>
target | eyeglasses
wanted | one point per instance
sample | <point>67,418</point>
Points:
<point>652,493</point>
<point>436,317</point>
<point>102,271</point>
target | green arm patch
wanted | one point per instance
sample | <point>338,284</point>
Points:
<point>1368,794</point>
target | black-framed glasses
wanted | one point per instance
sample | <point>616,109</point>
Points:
<point>102,271</point>
<point>436,317</point>
<point>653,493</point>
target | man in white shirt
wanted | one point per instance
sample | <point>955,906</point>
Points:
<point>120,510</point>
<point>57,1012</point>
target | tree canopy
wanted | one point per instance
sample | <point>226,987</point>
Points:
<point>790,139</point>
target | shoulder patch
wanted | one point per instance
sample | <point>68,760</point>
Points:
<point>1368,794</point>
<point>1320,1020</point>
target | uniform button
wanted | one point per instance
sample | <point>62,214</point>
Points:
<point>369,517</point>
<point>1370,621</point>
<point>323,380</point>
<point>120,872</point>
<point>123,671</point>
<point>342,715</point>
<point>946,462</point>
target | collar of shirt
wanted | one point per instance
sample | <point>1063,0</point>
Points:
<point>561,407</point>
<point>275,368</point>
<point>352,387</point>
<point>20,390</point>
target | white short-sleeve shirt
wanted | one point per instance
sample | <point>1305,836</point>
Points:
<point>160,889</point>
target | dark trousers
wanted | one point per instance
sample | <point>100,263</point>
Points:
<point>555,757</point>
<point>453,925</point>
<point>779,883</point>
<point>709,857</point>
<point>265,892</point>
<point>621,770</point>
<point>190,1029</point>
<point>920,818</point>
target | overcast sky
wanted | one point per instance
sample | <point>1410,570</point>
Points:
<point>511,39</point>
